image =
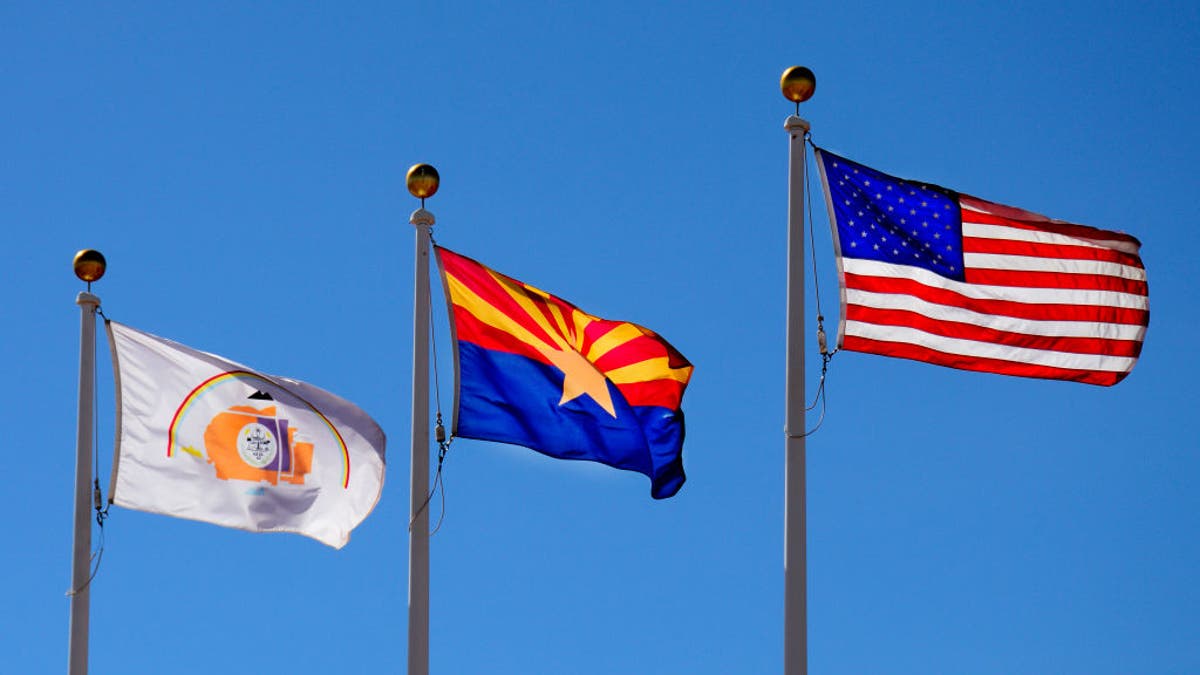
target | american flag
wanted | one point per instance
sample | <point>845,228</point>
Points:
<point>933,275</point>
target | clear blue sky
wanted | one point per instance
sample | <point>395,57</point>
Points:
<point>242,165</point>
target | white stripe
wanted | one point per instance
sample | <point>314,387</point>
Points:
<point>1033,219</point>
<point>990,231</point>
<point>1083,329</point>
<point>987,350</point>
<point>1067,296</point>
<point>1024,263</point>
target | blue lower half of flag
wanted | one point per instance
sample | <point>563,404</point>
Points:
<point>510,398</point>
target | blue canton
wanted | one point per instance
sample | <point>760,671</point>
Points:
<point>892,220</point>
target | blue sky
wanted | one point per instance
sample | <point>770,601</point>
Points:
<point>243,165</point>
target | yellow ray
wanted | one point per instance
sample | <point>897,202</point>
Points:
<point>562,323</point>
<point>612,339</point>
<point>581,321</point>
<point>656,368</point>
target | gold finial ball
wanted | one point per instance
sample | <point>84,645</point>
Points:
<point>89,265</point>
<point>798,84</point>
<point>422,180</point>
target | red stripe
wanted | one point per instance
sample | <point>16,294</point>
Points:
<point>633,351</point>
<point>1040,250</point>
<point>1000,367</point>
<point>1067,229</point>
<point>1082,282</point>
<point>664,393</point>
<point>472,330</point>
<point>968,331</point>
<point>1020,310</point>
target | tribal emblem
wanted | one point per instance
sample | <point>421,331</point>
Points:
<point>247,443</point>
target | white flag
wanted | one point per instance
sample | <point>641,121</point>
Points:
<point>208,439</point>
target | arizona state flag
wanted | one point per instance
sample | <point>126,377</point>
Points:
<point>535,370</point>
<point>208,439</point>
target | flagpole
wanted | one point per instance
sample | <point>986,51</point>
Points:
<point>422,181</point>
<point>89,266</point>
<point>797,85</point>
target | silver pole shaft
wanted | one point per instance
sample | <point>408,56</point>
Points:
<point>418,533</point>
<point>77,653</point>
<point>795,553</point>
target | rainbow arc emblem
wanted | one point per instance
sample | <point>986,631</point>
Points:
<point>254,441</point>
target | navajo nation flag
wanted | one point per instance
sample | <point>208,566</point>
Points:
<point>534,370</point>
<point>933,275</point>
<point>205,438</point>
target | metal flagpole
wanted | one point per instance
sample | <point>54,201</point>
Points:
<point>422,181</point>
<point>89,266</point>
<point>797,85</point>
